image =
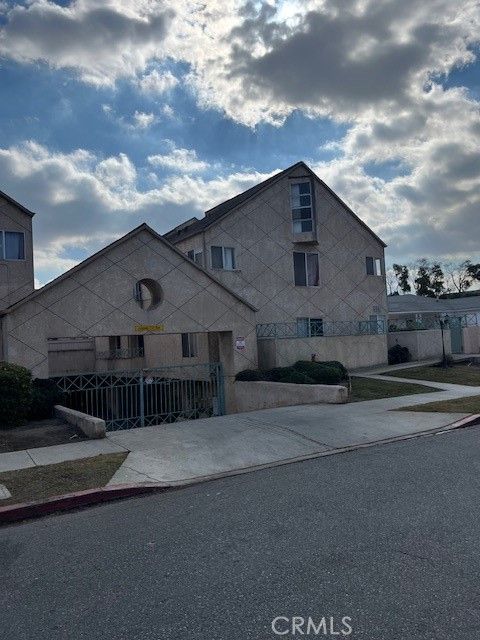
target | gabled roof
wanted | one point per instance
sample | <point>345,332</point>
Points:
<point>17,204</point>
<point>183,231</point>
<point>143,227</point>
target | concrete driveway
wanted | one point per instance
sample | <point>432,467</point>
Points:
<point>182,451</point>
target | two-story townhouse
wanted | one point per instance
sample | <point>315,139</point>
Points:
<point>314,271</point>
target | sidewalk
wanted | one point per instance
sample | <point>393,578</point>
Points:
<point>183,451</point>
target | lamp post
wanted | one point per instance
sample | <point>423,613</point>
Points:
<point>443,325</point>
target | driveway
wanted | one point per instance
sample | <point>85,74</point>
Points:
<point>183,451</point>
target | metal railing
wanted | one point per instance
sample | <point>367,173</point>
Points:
<point>146,397</point>
<point>277,330</point>
<point>121,354</point>
<point>426,322</point>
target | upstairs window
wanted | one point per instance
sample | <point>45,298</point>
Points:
<point>12,245</point>
<point>305,268</point>
<point>189,345</point>
<point>374,266</point>
<point>223,258</point>
<point>301,202</point>
<point>196,255</point>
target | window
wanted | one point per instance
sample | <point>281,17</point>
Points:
<point>12,245</point>
<point>115,345</point>
<point>223,258</point>
<point>377,324</point>
<point>196,255</point>
<point>374,266</point>
<point>136,346</point>
<point>147,293</point>
<point>301,203</point>
<point>305,266</point>
<point>309,327</point>
<point>189,345</point>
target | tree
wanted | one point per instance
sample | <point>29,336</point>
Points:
<point>461,276</point>
<point>402,275</point>
<point>430,280</point>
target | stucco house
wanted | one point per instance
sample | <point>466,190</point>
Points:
<point>282,271</point>
<point>314,271</point>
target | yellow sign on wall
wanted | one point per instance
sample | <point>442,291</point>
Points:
<point>149,327</point>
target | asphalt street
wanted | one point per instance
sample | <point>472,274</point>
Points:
<point>387,536</point>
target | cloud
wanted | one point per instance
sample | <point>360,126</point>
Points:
<point>156,83</point>
<point>103,41</point>
<point>178,160</point>
<point>143,120</point>
<point>84,201</point>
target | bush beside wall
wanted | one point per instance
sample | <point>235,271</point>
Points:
<point>398,354</point>
<point>15,392</point>
<point>302,372</point>
<point>45,395</point>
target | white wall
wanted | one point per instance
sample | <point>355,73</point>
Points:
<point>422,344</point>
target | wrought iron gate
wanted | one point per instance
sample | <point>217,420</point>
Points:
<point>141,398</point>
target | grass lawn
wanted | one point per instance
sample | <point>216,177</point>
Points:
<point>51,480</point>
<point>40,433</point>
<point>460,405</point>
<point>369,389</point>
<point>458,374</point>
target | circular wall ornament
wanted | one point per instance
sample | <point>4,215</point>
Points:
<point>147,294</point>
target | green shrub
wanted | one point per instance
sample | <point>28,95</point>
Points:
<point>250,375</point>
<point>398,354</point>
<point>45,395</point>
<point>15,392</point>
<point>296,377</point>
<point>335,364</point>
<point>322,372</point>
<point>277,373</point>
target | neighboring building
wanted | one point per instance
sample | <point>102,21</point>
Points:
<point>414,322</point>
<point>16,251</point>
<point>314,271</point>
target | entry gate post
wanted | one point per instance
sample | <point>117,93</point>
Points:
<point>142,400</point>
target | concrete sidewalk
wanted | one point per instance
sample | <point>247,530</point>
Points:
<point>182,451</point>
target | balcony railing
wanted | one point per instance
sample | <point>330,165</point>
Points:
<point>277,330</point>
<point>120,354</point>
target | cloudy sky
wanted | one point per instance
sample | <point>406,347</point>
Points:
<point>113,112</point>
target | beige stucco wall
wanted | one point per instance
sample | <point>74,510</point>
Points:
<point>422,344</point>
<point>251,396</point>
<point>471,340</point>
<point>16,276</point>
<point>354,352</point>
<point>261,233</point>
<point>97,300</point>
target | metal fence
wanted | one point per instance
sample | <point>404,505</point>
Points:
<point>425,322</point>
<point>129,399</point>
<point>325,329</point>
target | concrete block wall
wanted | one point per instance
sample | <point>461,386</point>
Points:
<point>354,352</point>
<point>422,344</point>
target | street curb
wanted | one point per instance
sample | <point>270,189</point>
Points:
<point>89,497</point>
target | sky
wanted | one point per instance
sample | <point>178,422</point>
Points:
<point>116,112</point>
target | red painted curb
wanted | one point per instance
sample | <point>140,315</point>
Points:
<point>25,510</point>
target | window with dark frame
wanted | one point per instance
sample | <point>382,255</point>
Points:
<point>223,258</point>
<point>196,255</point>
<point>302,206</point>
<point>189,345</point>
<point>373,266</point>
<point>306,269</point>
<point>12,245</point>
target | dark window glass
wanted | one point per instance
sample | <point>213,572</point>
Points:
<point>370,266</point>
<point>217,257</point>
<point>299,269</point>
<point>14,245</point>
